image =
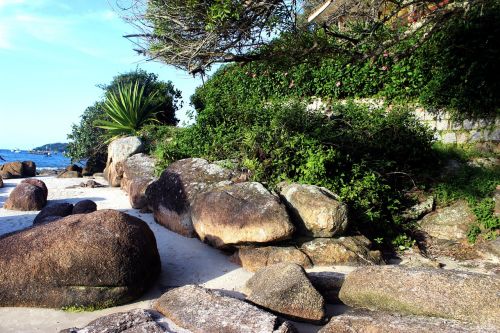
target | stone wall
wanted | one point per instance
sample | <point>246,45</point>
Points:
<point>446,129</point>
<point>460,132</point>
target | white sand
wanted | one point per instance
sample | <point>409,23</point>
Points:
<point>184,261</point>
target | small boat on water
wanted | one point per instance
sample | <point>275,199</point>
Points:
<point>16,150</point>
<point>40,152</point>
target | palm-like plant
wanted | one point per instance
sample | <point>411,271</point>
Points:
<point>129,110</point>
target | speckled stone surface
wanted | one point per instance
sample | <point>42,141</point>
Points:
<point>359,321</point>
<point>240,213</point>
<point>135,321</point>
<point>285,289</point>
<point>202,310</point>
<point>425,291</point>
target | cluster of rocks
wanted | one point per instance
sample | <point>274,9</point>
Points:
<point>56,211</point>
<point>381,299</point>
<point>83,257</point>
<point>18,170</point>
<point>303,224</point>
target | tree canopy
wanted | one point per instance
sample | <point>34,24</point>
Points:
<point>194,34</point>
<point>88,141</point>
<point>167,98</point>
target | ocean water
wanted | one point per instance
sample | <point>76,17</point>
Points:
<point>54,161</point>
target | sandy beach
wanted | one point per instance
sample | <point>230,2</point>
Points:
<point>184,260</point>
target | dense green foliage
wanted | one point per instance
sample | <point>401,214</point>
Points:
<point>461,63</point>
<point>89,142</point>
<point>86,139</point>
<point>471,183</point>
<point>167,98</point>
<point>128,109</point>
<point>456,68</point>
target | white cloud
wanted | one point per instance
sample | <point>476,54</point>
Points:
<point>4,3</point>
<point>22,21</point>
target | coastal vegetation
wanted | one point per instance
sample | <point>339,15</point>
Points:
<point>89,142</point>
<point>253,114</point>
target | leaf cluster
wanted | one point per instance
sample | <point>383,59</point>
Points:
<point>128,109</point>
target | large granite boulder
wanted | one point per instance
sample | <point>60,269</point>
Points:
<point>315,210</point>
<point>451,223</point>
<point>38,183</point>
<point>59,210</point>
<point>425,291</point>
<point>84,207</point>
<point>240,213</point>
<point>138,173</point>
<point>202,310</point>
<point>285,289</point>
<point>118,151</point>
<point>352,251</point>
<point>26,197</point>
<point>254,258</point>
<point>171,196</point>
<point>379,322</point>
<point>99,259</point>
<point>18,169</point>
<point>134,321</point>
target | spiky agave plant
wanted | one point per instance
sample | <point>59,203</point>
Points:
<point>129,110</point>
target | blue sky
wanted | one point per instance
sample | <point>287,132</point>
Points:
<point>53,53</point>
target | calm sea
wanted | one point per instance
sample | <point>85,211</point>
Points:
<point>54,161</point>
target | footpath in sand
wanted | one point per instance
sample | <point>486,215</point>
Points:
<point>184,260</point>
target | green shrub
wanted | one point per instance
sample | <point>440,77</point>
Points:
<point>128,109</point>
<point>475,185</point>
<point>168,99</point>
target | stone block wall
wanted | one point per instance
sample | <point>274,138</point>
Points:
<point>446,130</point>
<point>460,132</point>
